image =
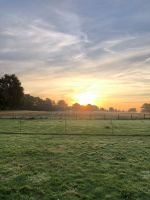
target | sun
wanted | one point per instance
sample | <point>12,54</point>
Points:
<point>86,98</point>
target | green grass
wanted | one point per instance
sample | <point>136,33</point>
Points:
<point>102,127</point>
<point>74,167</point>
<point>39,166</point>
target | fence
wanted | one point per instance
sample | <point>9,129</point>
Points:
<point>90,115</point>
<point>67,123</point>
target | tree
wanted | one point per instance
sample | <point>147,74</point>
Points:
<point>76,107</point>
<point>111,109</point>
<point>146,107</point>
<point>11,92</point>
<point>36,103</point>
<point>132,110</point>
<point>62,105</point>
<point>90,107</point>
<point>102,109</point>
<point>49,104</point>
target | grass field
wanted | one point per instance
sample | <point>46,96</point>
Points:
<point>77,127</point>
<point>90,163</point>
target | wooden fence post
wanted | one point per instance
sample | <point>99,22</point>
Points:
<point>112,128</point>
<point>20,126</point>
<point>65,122</point>
<point>118,116</point>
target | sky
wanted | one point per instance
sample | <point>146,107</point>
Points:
<point>63,49</point>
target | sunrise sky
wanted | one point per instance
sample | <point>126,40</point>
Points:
<point>97,50</point>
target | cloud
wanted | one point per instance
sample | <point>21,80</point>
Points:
<point>77,43</point>
<point>31,40</point>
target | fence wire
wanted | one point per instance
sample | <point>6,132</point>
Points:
<point>65,125</point>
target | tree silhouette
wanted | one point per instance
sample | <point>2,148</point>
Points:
<point>146,107</point>
<point>11,92</point>
<point>62,105</point>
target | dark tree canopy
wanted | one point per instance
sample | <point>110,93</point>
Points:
<point>62,105</point>
<point>146,107</point>
<point>36,103</point>
<point>132,110</point>
<point>11,92</point>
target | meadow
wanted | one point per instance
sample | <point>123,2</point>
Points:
<point>75,127</point>
<point>68,159</point>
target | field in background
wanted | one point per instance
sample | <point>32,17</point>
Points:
<point>73,115</point>
<point>74,156</point>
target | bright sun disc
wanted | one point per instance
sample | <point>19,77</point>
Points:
<point>86,98</point>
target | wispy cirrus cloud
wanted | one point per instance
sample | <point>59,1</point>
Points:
<point>74,45</point>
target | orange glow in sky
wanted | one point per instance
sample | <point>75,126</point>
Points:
<point>101,92</point>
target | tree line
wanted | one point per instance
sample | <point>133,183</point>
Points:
<point>12,97</point>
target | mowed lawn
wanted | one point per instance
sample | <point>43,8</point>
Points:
<point>66,167</point>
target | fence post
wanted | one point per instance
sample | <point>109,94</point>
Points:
<point>76,115</point>
<point>118,116</point>
<point>112,128</point>
<point>65,123</point>
<point>20,126</point>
